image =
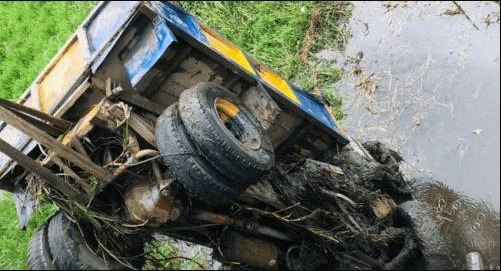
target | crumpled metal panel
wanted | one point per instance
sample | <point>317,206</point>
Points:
<point>104,28</point>
<point>106,21</point>
<point>149,47</point>
<point>179,18</point>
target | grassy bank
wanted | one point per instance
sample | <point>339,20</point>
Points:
<point>283,35</point>
<point>31,33</point>
<point>13,241</point>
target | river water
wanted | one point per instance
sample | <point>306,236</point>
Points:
<point>424,79</point>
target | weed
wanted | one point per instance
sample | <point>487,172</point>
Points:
<point>39,194</point>
<point>14,242</point>
<point>93,182</point>
<point>197,262</point>
<point>335,100</point>
<point>331,30</point>
<point>161,255</point>
<point>324,233</point>
<point>328,74</point>
<point>326,29</point>
<point>126,136</point>
<point>305,80</point>
<point>318,79</point>
<point>30,34</point>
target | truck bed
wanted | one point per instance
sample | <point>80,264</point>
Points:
<point>153,51</point>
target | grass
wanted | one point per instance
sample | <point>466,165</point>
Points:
<point>31,34</point>
<point>162,255</point>
<point>13,241</point>
<point>331,25</point>
<point>283,35</point>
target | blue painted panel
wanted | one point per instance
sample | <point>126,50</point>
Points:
<point>150,46</point>
<point>179,19</point>
<point>106,21</point>
<point>317,110</point>
<point>314,107</point>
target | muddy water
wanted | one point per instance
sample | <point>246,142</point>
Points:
<point>426,81</point>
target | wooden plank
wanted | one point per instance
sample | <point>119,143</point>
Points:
<point>75,142</point>
<point>41,171</point>
<point>129,97</point>
<point>85,186</point>
<point>108,118</point>
<point>96,83</point>
<point>52,130</point>
<point>59,123</point>
<point>112,114</point>
<point>142,102</point>
<point>142,128</point>
<point>58,148</point>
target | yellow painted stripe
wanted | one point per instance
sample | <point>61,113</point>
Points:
<point>63,70</point>
<point>226,48</point>
<point>275,80</point>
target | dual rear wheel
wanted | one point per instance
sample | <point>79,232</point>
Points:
<point>213,143</point>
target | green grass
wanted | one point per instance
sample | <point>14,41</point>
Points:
<point>13,241</point>
<point>31,33</point>
<point>332,31</point>
<point>161,255</point>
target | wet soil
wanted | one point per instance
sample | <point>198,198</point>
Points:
<point>423,78</point>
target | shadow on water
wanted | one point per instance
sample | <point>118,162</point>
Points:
<point>424,78</point>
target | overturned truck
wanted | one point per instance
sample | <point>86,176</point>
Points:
<point>148,121</point>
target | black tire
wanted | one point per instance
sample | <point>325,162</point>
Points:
<point>239,148</point>
<point>69,249</point>
<point>39,255</point>
<point>195,174</point>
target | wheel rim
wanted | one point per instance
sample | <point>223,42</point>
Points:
<point>237,124</point>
